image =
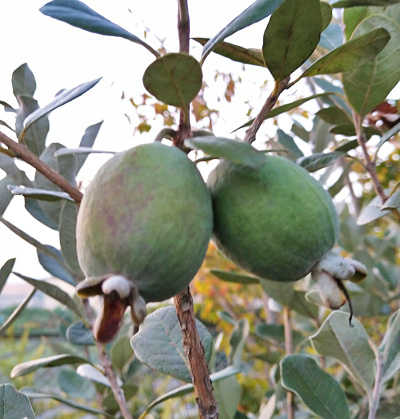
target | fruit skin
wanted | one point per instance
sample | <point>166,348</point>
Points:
<point>146,215</point>
<point>276,222</point>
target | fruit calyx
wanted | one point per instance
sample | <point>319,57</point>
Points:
<point>118,293</point>
<point>329,273</point>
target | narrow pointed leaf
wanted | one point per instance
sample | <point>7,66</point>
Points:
<point>5,272</point>
<point>318,390</point>
<point>16,313</point>
<point>236,53</point>
<point>80,151</point>
<point>188,388</point>
<point>235,151</point>
<point>23,81</point>
<point>349,345</point>
<point>67,230</point>
<point>237,341</point>
<point>81,16</point>
<point>334,115</point>
<point>259,10</point>
<point>51,361</point>
<point>174,79</point>
<point>289,106</point>
<point>392,202</point>
<point>291,36</point>
<point>391,353</point>
<point>88,139</point>
<point>372,211</point>
<point>40,194</point>
<point>388,135</point>
<point>158,343</point>
<point>61,99</point>
<point>367,86</point>
<point>34,394</point>
<point>288,142</point>
<point>14,404</point>
<point>54,264</point>
<point>352,54</point>
<point>54,292</point>
<point>34,136</point>
<point>235,277</point>
<point>356,3</point>
<point>318,161</point>
<point>93,374</point>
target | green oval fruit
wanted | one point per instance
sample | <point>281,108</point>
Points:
<point>146,216</point>
<point>276,222</point>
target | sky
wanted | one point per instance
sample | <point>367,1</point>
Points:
<point>62,56</point>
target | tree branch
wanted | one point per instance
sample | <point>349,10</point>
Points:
<point>269,104</point>
<point>289,351</point>
<point>192,346</point>
<point>194,352</point>
<point>22,153</point>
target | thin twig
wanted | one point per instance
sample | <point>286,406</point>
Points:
<point>289,351</point>
<point>194,352</point>
<point>268,105</point>
<point>22,153</point>
<point>374,401</point>
<point>369,164</point>
<point>108,370</point>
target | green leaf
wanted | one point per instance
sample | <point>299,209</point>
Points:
<point>319,391</point>
<point>53,262</point>
<point>356,3</point>
<point>235,277</point>
<point>34,136</point>
<point>5,271</point>
<point>234,52</point>
<point>318,161</point>
<point>79,334</point>
<point>367,86</point>
<point>393,202</point>
<point>76,386</point>
<point>23,81</point>
<point>93,374</point>
<point>235,151</point>
<point>67,228</point>
<point>5,195</point>
<point>391,344</point>
<point>158,343</point>
<point>277,332</point>
<point>259,10</point>
<point>40,194</point>
<point>121,353</point>
<point>291,36</point>
<point>80,152</point>
<point>34,209</point>
<point>174,79</point>
<point>67,166</point>
<point>372,211</point>
<point>354,53</point>
<point>54,292</point>
<point>288,107</point>
<point>14,404</point>
<point>61,99</point>
<point>49,362</point>
<point>237,340</point>
<point>326,14</point>
<point>88,139</point>
<point>288,142</point>
<point>388,135</point>
<point>349,345</point>
<point>188,388</point>
<point>77,14</point>
<point>334,115</point>
<point>227,395</point>
<point>33,394</point>
<point>16,313</point>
